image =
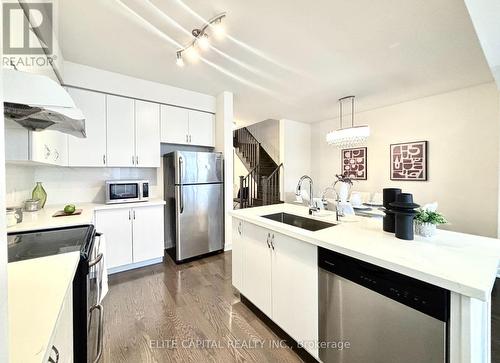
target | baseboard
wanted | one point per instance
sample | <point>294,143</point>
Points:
<point>228,247</point>
<point>288,340</point>
<point>132,266</point>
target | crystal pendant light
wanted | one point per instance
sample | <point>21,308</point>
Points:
<point>349,136</point>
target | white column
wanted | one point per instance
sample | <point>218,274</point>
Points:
<point>224,144</point>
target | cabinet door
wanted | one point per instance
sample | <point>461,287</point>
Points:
<point>147,240</point>
<point>147,134</point>
<point>201,128</point>
<point>174,125</point>
<point>295,289</point>
<point>237,253</point>
<point>116,224</point>
<point>120,131</point>
<point>49,147</point>
<point>257,268</point>
<point>89,151</point>
<point>63,333</point>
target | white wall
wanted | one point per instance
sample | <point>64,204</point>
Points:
<point>78,75</point>
<point>268,134</point>
<point>462,128</point>
<point>295,154</point>
<point>72,185</point>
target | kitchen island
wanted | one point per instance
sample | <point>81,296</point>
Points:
<point>463,264</point>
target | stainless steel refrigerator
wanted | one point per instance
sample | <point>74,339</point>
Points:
<point>194,210</point>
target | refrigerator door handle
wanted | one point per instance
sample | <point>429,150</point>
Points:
<point>181,198</point>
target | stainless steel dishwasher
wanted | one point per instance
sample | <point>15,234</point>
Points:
<point>384,316</point>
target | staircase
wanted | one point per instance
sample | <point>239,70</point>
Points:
<point>261,186</point>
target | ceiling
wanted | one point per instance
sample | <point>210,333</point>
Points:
<point>284,58</point>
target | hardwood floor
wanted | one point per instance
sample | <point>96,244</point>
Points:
<point>149,310</point>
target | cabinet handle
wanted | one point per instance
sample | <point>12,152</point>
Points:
<point>239,228</point>
<point>129,215</point>
<point>51,360</point>
<point>57,155</point>
<point>267,241</point>
<point>134,213</point>
<point>272,242</point>
<point>137,160</point>
<point>133,160</point>
<point>189,138</point>
<point>104,159</point>
<point>47,151</point>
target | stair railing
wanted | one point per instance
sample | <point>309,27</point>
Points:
<point>249,188</point>
<point>247,145</point>
<point>271,187</point>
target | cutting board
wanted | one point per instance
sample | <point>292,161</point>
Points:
<point>61,213</point>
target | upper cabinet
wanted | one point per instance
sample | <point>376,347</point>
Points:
<point>147,134</point>
<point>120,131</point>
<point>90,151</point>
<point>187,127</point>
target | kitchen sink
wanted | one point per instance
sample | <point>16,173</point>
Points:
<point>300,222</point>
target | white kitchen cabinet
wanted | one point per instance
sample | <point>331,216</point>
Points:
<point>133,235</point>
<point>147,231</point>
<point>201,128</point>
<point>120,131</point>
<point>187,127</point>
<point>62,343</point>
<point>147,134</point>
<point>279,275</point>
<point>116,225</point>
<point>237,253</point>
<point>89,151</point>
<point>49,147</point>
<point>295,289</point>
<point>256,268</point>
<point>174,125</point>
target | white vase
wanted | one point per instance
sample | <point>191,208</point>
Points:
<point>425,229</point>
<point>343,191</point>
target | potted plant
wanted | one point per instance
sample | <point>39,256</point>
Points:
<point>427,219</point>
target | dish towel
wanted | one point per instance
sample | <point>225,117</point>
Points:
<point>102,270</point>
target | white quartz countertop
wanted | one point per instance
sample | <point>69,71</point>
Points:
<point>43,219</point>
<point>462,263</point>
<point>36,292</point>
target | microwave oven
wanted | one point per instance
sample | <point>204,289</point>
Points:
<point>127,191</point>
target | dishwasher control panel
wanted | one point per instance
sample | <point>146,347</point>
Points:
<point>422,296</point>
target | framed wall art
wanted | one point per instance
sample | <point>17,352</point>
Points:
<point>355,163</point>
<point>409,161</point>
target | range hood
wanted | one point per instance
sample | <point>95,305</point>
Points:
<point>38,103</point>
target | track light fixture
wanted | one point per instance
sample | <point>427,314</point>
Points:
<point>201,39</point>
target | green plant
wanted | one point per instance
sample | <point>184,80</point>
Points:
<point>427,216</point>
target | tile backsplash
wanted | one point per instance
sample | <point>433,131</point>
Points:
<point>72,185</point>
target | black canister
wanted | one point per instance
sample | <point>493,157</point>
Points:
<point>403,209</point>
<point>389,195</point>
<point>388,223</point>
<point>404,225</point>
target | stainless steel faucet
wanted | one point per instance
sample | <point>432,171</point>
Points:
<point>338,211</point>
<point>312,207</point>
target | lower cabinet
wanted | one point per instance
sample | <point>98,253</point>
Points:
<point>61,346</point>
<point>279,275</point>
<point>133,235</point>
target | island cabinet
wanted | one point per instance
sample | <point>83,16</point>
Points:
<point>279,275</point>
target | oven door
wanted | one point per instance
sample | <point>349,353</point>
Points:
<point>123,192</point>
<point>95,318</point>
